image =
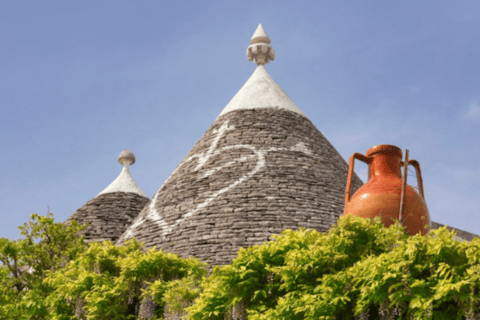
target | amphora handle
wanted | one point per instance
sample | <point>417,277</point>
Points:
<point>362,158</point>
<point>418,173</point>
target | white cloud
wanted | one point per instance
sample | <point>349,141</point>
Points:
<point>473,112</point>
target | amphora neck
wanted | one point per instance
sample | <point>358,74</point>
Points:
<point>386,160</point>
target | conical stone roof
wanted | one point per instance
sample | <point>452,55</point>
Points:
<point>260,168</point>
<point>113,209</point>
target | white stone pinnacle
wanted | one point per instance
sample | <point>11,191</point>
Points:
<point>124,182</point>
<point>260,36</point>
<point>126,157</point>
<point>260,49</point>
<point>261,91</point>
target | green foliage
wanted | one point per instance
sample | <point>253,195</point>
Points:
<point>53,274</point>
<point>359,269</point>
<point>46,247</point>
<point>124,282</point>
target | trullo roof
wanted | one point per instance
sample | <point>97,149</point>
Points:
<point>113,209</point>
<point>260,168</point>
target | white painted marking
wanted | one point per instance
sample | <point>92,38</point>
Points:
<point>129,233</point>
<point>155,216</point>
<point>203,158</point>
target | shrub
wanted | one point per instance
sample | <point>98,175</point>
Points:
<point>358,270</point>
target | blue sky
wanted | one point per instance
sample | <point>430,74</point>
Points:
<point>81,81</point>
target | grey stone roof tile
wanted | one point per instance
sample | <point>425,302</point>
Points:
<point>109,214</point>
<point>255,172</point>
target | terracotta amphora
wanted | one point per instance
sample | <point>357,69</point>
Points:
<point>382,194</point>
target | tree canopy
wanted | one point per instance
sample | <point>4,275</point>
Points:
<point>124,282</point>
<point>53,274</point>
<point>45,248</point>
<point>357,270</point>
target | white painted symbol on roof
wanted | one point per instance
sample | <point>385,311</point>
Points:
<point>155,216</point>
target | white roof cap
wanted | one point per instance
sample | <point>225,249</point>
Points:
<point>124,182</point>
<point>260,36</point>
<point>260,90</point>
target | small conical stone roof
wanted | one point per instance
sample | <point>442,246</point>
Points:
<point>115,208</point>
<point>261,167</point>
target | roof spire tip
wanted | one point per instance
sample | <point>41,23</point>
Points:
<point>260,49</point>
<point>126,158</point>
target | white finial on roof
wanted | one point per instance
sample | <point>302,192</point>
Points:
<point>261,91</point>
<point>124,182</point>
<point>126,157</point>
<point>260,48</point>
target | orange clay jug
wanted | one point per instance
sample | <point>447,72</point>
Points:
<point>386,192</point>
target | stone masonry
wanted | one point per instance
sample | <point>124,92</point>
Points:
<point>109,214</point>
<point>254,173</point>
